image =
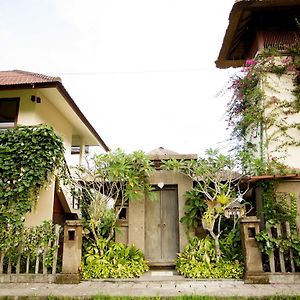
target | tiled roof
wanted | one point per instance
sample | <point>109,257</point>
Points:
<point>16,77</point>
<point>27,80</point>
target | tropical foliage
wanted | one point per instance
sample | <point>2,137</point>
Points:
<point>113,260</point>
<point>264,117</point>
<point>105,185</point>
<point>199,260</point>
<point>30,157</point>
<point>260,114</point>
<point>215,191</point>
<point>279,208</point>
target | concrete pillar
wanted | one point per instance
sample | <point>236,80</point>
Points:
<point>253,259</point>
<point>72,247</point>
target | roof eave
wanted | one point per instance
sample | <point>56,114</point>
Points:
<point>235,16</point>
<point>59,86</point>
<point>76,109</point>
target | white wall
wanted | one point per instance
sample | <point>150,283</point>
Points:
<point>281,88</point>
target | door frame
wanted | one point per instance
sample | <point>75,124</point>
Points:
<point>164,261</point>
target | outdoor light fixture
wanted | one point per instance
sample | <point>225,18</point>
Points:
<point>235,209</point>
<point>36,99</point>
<point>160,185</point>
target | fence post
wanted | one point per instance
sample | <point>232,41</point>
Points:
<point>56,242</point>
<point>71,252</point>
<point>253,260</point>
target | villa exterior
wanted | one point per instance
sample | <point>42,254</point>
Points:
<point>30,99</point>
<point>154,225</point>
<point>254,28</point>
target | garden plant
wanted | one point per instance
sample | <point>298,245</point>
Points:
<point>264,118</point>
<point>30,158</point>
<point>216,189</point>
<point>105,185</point>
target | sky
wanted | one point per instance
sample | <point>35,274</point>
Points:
<point>142,71</point>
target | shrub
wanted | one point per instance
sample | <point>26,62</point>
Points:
<point>198,260</point>
<point>115,260</point>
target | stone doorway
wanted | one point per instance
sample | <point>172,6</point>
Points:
<point>162,227</point>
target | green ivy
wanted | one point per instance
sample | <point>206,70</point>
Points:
<point>29,158</point>
<point>277,211</point>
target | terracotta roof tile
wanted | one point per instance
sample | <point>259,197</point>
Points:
<point>16,77</point>
<point>22,79</point>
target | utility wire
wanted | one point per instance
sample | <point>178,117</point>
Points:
<point>131,72</point>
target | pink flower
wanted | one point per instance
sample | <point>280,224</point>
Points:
<point>250,62</point>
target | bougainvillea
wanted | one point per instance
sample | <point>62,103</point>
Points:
<point>260,123</point>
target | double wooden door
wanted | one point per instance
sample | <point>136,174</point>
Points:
<point>161,227</point>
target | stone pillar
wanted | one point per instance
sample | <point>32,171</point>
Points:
<point>253,260</point>
<point>72,251</point>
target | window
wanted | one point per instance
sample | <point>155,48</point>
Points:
<point>76,150</point>
<point>9,108</point>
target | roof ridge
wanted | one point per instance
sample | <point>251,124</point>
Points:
<point>47,77</point>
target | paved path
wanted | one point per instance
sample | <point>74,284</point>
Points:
<point>151,288</point>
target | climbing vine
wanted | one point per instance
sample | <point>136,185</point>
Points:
<point>262,114</point>
<point>279,208</point>
<point>29,158</point>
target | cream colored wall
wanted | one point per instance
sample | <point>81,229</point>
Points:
<point>44,207</point>
<point>292,186</point>
<point>136,229</point>
<point>46,113</point>
<point>281,88</point>
<point>32,113</point>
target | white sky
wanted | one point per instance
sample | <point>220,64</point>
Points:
<point>142,71</point>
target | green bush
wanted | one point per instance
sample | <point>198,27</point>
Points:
<point>114,260</point>
<point>198,260</point>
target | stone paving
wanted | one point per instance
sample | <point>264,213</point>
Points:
<point>156,287</point>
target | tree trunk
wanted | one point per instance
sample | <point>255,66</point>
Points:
<point>217,243</point>
<point>27,264</point>
<point>2,254</point>
<point>113,225</point>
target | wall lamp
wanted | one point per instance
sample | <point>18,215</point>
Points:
<point>36,99</point>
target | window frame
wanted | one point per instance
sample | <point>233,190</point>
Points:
<point>4,125</point>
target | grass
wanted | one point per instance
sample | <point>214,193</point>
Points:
<point>156,298</point>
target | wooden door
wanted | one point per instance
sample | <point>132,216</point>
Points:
<point>161,227</point>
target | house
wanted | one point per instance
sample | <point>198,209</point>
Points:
<point>267,33</point>
<point>30,99</point>
<point>255,27</point>
<point>154,225</point>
